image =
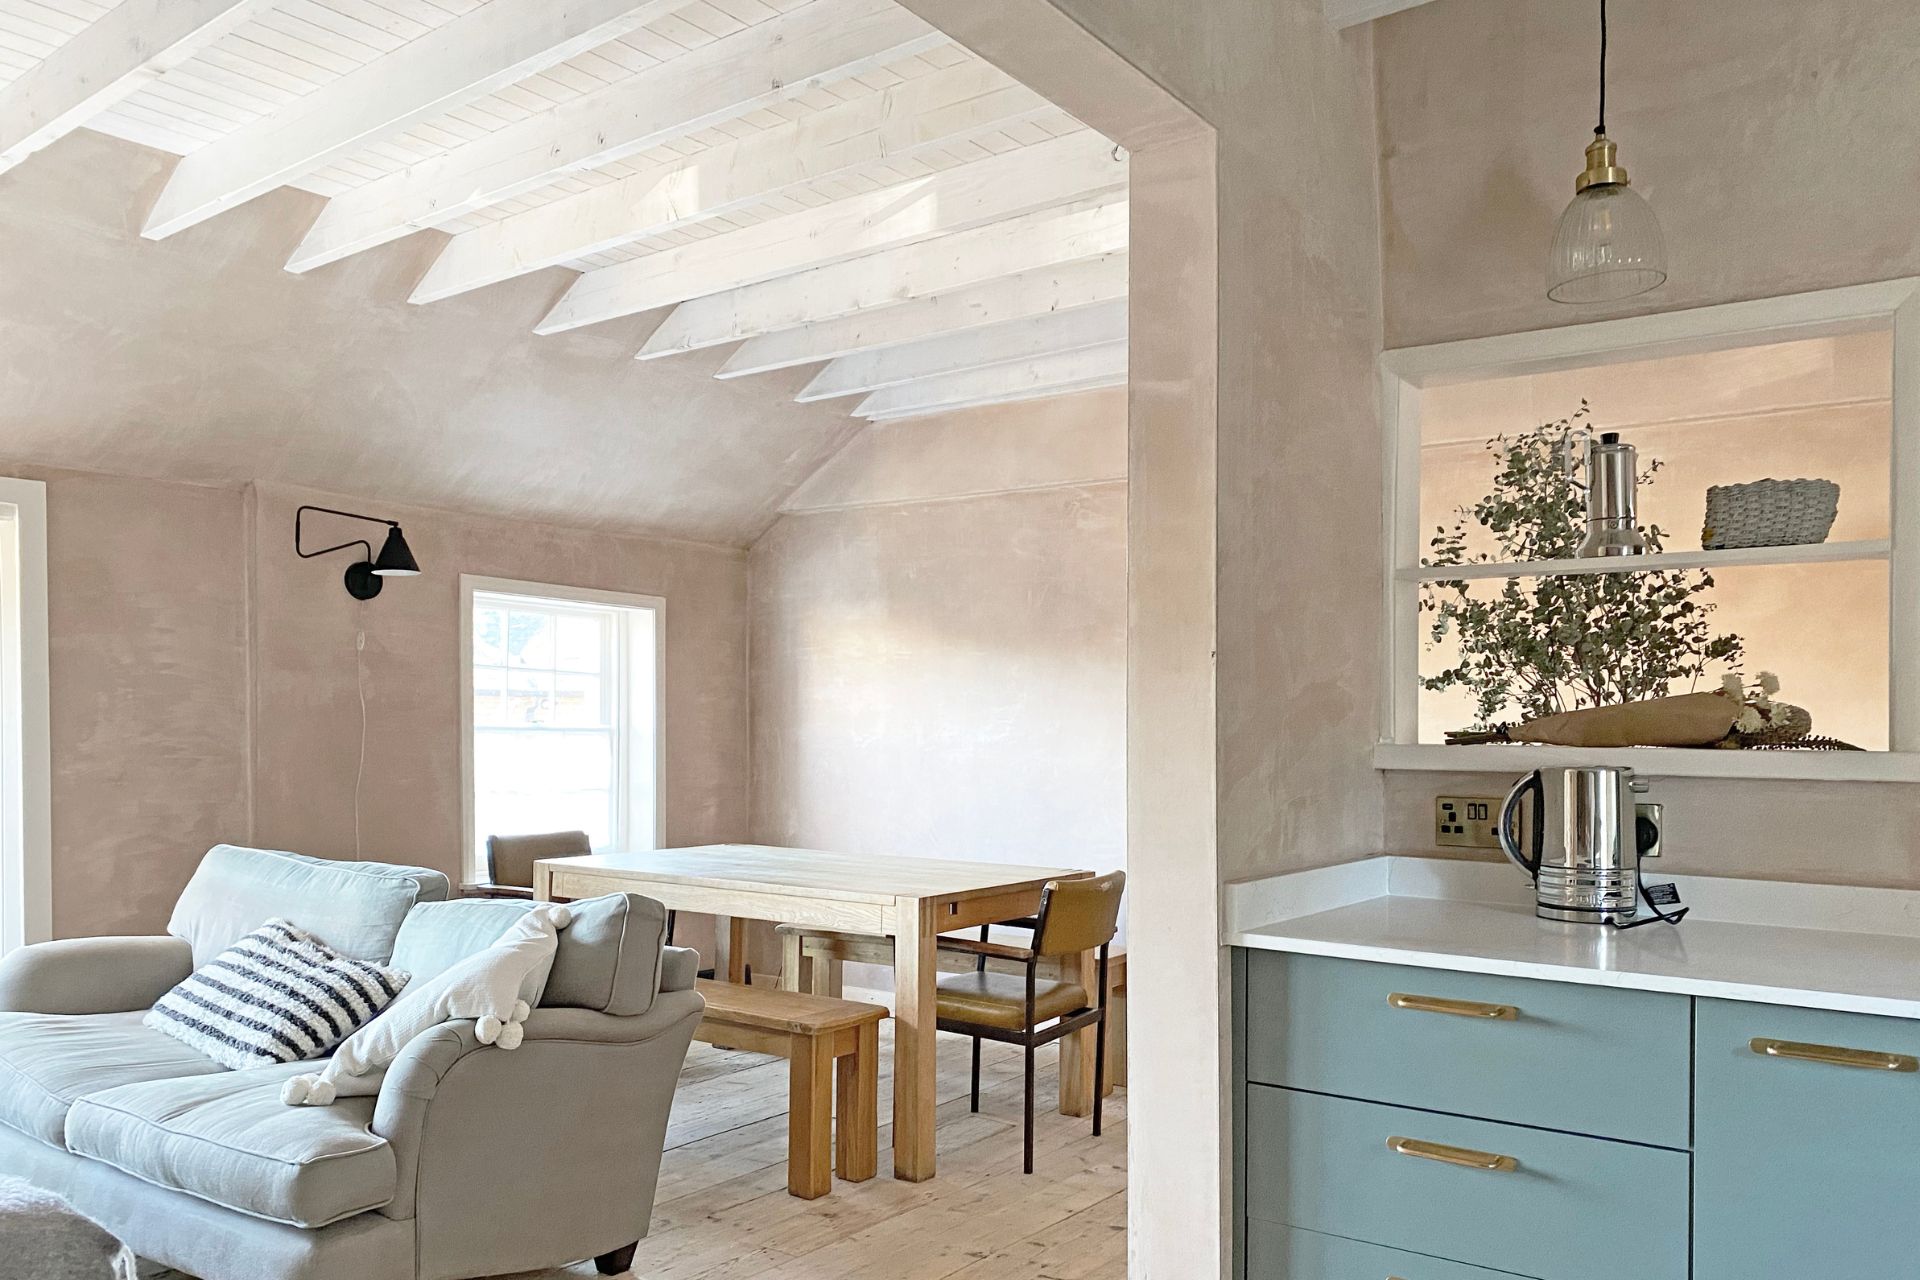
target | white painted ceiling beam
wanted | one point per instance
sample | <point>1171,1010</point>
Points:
<point>1018,342</point>
<point>1047,238</point>
<point>120,53</point>
<point>1008,397</point>
<point>1056,172</point>
<point>954,105</point>
<point>1040,292</point>
<point>1351,13</point>
<point>775,61</point>
<point>484,50</point>
<point>1048,375</point>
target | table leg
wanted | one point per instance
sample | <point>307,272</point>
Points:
<point>1076,1050</point>
<point>542,883</point>
<point>915,969</point>
<point>856,1130</point>
<point>810,1116</point>
<point>730,949</point>
<point>796,970</point>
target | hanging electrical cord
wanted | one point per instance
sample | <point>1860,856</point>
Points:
<point>360,770</point>
<point>1601,130</point>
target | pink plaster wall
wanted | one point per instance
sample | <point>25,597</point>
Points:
<point>1775,138</point>
<point>946,679</point>
<point>1776,141</point>
<point>204,683</point>
<point>147,622</point>
<point>940,642</point>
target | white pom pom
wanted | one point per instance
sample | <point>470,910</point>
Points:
<point>521,1011</point>
<point>297,1089</point>
<point>561,915</point>
<point>322,1093</point>
<point>510,1036</point>
<point>487,1029</point>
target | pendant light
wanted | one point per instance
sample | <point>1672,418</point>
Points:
<point>1608,245</point>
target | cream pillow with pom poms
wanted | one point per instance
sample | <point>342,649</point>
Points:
<point>485,987</point>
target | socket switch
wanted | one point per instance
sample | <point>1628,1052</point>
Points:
<point>1466,822</point>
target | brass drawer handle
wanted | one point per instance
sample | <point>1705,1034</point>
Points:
<point>1458,1008</point>
<point>1835,1057</point>
<point>1465,1157</point>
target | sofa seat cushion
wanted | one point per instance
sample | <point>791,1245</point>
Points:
<point>228,1138</point>
<point>47,1061</point>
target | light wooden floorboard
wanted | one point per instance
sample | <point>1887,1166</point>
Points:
<point>723,1212</point>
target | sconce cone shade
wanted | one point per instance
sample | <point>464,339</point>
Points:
<point>396,557</point>
<point>1608,245</point>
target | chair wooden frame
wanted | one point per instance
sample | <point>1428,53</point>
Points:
<point>1032,1037</point>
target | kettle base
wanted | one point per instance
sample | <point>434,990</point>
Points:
<point>1587,915</point>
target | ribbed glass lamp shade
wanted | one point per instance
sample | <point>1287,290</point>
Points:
<point>1607,247</point>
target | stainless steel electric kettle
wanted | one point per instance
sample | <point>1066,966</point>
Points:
<point>1583,841</point>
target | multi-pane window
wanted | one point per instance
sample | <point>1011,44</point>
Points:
<point>564,717</point>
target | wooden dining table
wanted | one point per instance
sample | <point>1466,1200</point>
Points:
<point>911,900</point>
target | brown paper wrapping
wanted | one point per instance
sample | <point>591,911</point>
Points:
<point>1689,720</point>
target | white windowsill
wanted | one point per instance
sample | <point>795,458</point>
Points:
<point>1656,762</point>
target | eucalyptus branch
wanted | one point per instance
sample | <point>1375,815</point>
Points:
<point>1558,644</point>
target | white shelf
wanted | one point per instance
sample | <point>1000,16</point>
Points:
<point>1812,553</point>
<point>1517,758</point>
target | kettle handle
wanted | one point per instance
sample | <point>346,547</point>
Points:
<point>1508,828</point>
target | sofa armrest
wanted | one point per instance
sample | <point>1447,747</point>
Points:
<point>532,1158</point>
<point>92,975</point>
<point>679,968</point>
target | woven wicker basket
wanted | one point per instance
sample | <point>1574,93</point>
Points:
<point>1770,513</point>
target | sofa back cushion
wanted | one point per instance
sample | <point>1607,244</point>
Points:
<point>355,907</point>
<point>609,957</point>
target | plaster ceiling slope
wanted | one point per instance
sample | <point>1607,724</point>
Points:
<point>197,358</point>
<point>833,176</point>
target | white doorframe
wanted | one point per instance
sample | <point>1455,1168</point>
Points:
<point>26,771</point>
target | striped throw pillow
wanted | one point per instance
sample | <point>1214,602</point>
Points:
<point>277,995</point>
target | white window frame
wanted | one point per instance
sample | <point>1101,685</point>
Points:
<point>1892,305</point>
<point>26,771</point>
<point>625,714</point>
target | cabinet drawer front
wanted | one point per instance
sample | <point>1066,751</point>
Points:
<point>1287,1253</point>
<point>1809,1160</point>
<point>1616,1064</point>
<point>1557,1205</point>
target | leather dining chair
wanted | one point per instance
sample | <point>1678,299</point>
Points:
<point>1075,916</point>
<point>510,861</point>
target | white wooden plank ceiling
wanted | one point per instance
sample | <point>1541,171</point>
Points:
<point>817,180</point>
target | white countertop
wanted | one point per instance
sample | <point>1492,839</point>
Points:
<point>1817,946</point>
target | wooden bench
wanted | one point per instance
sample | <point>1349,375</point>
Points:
<point>812,961</point>
<point>832,1047</point>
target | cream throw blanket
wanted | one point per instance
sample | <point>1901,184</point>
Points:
<point>487,987</point>
<point>42,1238</point>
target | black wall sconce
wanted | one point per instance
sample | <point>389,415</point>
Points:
<point>364,576</point>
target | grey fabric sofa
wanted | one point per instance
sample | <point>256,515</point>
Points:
<point>472,1161</point>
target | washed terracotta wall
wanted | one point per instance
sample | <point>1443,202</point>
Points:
<point>204,683</point>
<point>940,643</point>
<point>1299,465</point>
<point>1776,141</point>
<point>147,623</point>
<point>1774,137</point>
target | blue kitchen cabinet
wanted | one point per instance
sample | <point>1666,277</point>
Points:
<point>1808,1159</point>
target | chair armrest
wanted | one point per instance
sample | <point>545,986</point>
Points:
<point>995,950</point>
<point>92,975</point>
